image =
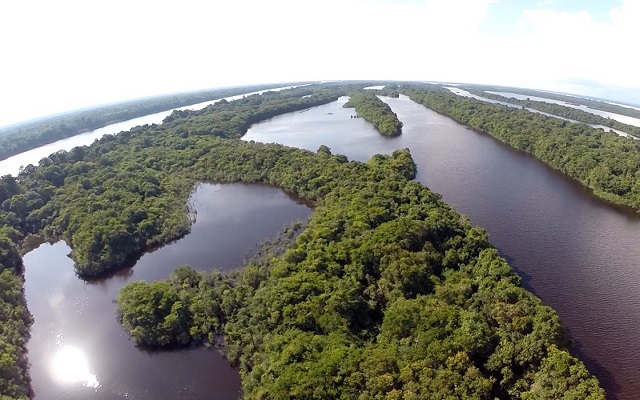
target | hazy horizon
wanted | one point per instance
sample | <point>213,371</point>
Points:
<point>95,106</point>
<point>69,54</point>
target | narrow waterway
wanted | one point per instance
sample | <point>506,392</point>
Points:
<point>78,350</point>
<point>577,252</point>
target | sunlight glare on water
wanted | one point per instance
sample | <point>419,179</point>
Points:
<point>70,365</point>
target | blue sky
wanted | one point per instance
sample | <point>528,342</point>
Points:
<point>67,54</point>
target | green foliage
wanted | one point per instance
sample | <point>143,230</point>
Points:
<point>153,313</point>
<point>376,111</point>
<point>605,162</point>
<point>15,321</point>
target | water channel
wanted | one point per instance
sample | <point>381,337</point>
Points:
<point>78,350</point>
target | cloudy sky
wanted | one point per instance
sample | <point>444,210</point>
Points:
<point>66,54</point>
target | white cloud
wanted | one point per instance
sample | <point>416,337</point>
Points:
<point>562,47</point>
<point>72,53</point>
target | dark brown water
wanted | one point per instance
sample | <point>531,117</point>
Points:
<point>578,253</point>
<point>78,350</point>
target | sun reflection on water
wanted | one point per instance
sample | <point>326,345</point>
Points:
<point>70,365</point>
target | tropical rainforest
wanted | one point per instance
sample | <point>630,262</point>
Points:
<point>376,111</point>
<point>386,293</point>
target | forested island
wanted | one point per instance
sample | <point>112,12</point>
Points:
<point>25,136</point>
<point>387,292</point>
<point>605,162</point>
<point>376,111</point>
<point>562,111</point>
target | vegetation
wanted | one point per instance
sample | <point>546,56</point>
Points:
<point>376,111</point>
<point>25,136</point>
<point>15,319</point>
<point>591,103</point>
<point>563,111</point>
<point>605,162</point>
<point>387,293</point>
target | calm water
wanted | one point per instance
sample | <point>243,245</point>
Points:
<point>78,350</point>
<point>578,253</point>
<point>11,165</point>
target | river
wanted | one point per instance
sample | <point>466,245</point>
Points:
<point>578,253</point>
<point>78,350</point>
<point>12,165</point>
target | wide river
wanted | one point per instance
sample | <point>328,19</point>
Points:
<point>578,253</point>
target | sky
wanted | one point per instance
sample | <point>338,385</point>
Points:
<point>67,54</point>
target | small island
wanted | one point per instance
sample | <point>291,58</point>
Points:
<point>376,111</point>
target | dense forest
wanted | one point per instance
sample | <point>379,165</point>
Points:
<point>376,111</point>
<point>387,293</point>
<point>25,136</point>
<point>591,103</point>
<point>605,162</point>
<point>563,111</point>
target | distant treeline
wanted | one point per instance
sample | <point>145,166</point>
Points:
<point>376,111</point>
<point>605,162</point>
<point>591,103</point>
<point>563,111</point>
<point>18,138</point>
